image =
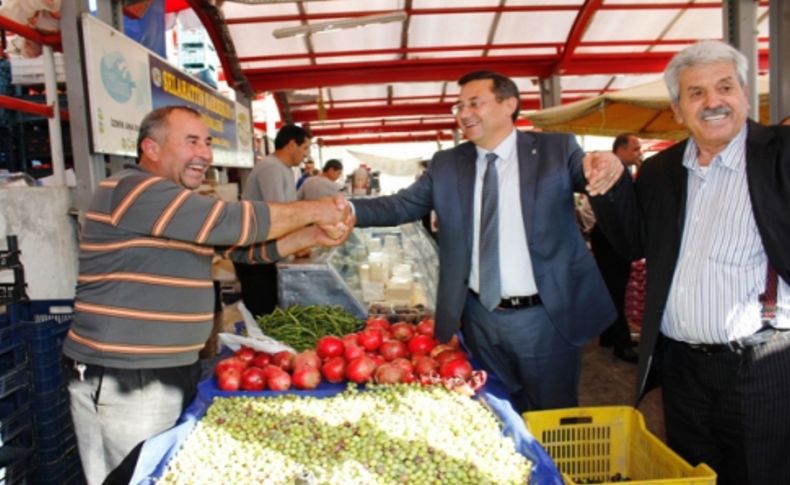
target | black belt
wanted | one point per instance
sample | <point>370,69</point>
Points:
<point>515,302</point>
<point>759,338</point>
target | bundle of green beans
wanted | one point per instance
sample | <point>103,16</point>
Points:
<point>301,326</point>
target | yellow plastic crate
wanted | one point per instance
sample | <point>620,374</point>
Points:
<point>597,443</point>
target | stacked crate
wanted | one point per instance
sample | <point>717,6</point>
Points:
<point>15,410</point>
<point>43,327</point>
<point>16,434</point>
<point>197,56</point>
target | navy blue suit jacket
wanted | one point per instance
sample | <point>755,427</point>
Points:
<point>550,170</point>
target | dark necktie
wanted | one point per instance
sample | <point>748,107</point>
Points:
<point>488,257</point>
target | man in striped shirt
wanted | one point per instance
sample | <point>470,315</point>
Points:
<point>712,217</point>
<point>144,303</point>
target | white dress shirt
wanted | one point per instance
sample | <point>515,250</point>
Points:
<point>515,265</point>
<point>721,268</point>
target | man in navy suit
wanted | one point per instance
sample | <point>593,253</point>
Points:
<point>712,217</point>
<point>549,296</point>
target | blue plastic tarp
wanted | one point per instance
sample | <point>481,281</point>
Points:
<point>157,451</point>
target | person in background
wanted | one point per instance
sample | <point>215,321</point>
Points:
<point>307,171</point>
<point>711,215</point>
<point>324,184</point>
<point>271,180</point>
<point>514,271</point>
<point>628,149</point>
<point>145,302</point>
<point>615,268</point>
<point>785,121</point>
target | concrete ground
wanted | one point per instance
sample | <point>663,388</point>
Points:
<point>608,381</point>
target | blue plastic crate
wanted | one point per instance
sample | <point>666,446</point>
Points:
<point>66,470</point>
<point>55,449</point>
<point>9,336</point>
<point>46,382</point>
<point>13,421</point>
<point>53,429</point>
<point>41,311</point>
<point>44,367</point>
<point>13,380</point>
<point>12,353</point>
<point>48,406</point>
<point>45,339</point>
<point>17,465</point>
<point>46,374</point>
<point>44,342</point>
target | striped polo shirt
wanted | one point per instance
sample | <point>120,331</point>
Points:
<point>144,296</point>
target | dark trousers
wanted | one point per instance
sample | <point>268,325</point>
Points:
<point>539,368</point>
<point>614,269</point>
<point>258,287</point>
<point>730,409</point>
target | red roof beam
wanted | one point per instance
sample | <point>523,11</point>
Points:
<point>406,50</point>
<point>454,48</point>
<point>425,109</point>
<point>371,140</point>
<point>580,24</point>
<point>434,97</point>
<point>644,63</point>
<point>371,129</point>
<point>474,10</point>
<point>410,70</point>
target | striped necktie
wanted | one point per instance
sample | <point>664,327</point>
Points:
<point>488,257</point>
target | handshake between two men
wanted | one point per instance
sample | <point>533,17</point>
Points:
<point>338,223</point>
<point>298,226</point>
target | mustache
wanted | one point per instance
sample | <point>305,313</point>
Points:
<point>718,111</point>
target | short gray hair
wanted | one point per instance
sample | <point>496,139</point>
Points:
<point>154,124</point>
<point>704,52</point>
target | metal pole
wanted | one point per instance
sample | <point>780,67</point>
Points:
<point>550,92</point>
<point>740,30</point>
<point>89,168</point>
<point>55,135</point>
<point>779,46</point>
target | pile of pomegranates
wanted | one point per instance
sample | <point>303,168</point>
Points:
<point>381,353</point>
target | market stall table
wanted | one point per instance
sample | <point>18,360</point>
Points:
<point>157,451</point>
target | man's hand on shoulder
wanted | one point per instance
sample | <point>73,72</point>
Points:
<point>602,170</point>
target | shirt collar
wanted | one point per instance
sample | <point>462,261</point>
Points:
<point>504,150</point>
<point>732,157</point>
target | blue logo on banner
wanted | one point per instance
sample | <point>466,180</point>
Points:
<point>115,77</point>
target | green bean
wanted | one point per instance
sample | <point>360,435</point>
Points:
<point>302,326</point>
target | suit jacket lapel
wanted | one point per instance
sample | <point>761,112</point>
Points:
<point>467,159</point>
<point>528,176</point>
<point>679,177</point>
<point>759,151</point>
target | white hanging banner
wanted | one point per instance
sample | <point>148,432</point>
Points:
<point>389,165</point>
<point>126,81</point>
